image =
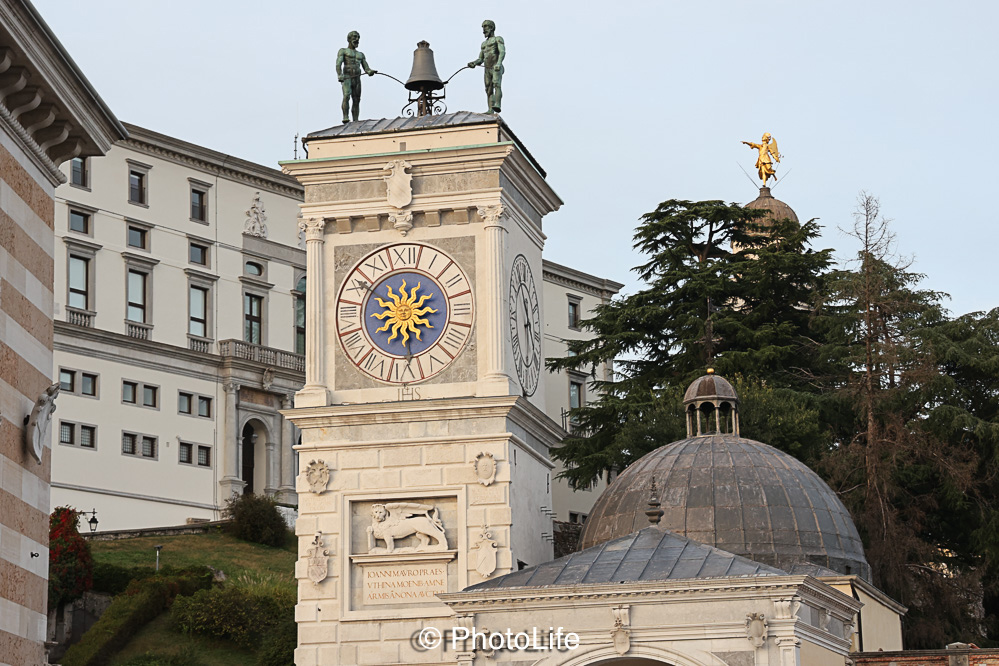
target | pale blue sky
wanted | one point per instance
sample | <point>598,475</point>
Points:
<point>625,104</point>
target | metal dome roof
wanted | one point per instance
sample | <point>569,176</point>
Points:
<point>738,495</point>
<point>710,387</point>
<point>776,209</point>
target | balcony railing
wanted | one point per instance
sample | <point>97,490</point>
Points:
<point>203,345</point>
<point>80,317</point>
<point>264,355</point>
<point>138,330</point>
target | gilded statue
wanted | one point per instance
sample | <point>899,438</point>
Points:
<point>349,63</point>
<point>491,56</point>
<point>768,155</point>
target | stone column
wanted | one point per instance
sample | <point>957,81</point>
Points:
<point>314,393</point>
<point>287,491</point>
<point>496,286</point>
<point>230,483</point>
<point>272,475</point>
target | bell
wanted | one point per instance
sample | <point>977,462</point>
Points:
<point>424,77</point>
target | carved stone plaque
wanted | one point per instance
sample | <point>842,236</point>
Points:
<point>410,582</point>
<point>398,184</point>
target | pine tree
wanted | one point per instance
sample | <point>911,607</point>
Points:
<point>724,290</point>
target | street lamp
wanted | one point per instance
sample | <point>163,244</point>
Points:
<point>158,549</point>
<point>93,519</point>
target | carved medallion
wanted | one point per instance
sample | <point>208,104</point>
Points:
<point>318,475</point>
<point>38,421</point>
<point>318,558</point>
<point>393,521</point>
<point>485,557</point>
<point>399,184</point>
<point>485,468</point>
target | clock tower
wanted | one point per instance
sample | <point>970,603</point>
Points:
<point>425,446</point>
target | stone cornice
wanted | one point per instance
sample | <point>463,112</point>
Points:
<point>866,588</point>
<point>574,279</point>
<point>211,161</point>
<point>49,106</point>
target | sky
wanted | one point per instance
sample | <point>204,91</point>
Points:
<point>624,104</point>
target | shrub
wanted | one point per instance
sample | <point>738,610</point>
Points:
<point>233,612</point>
<point>255,518</point>
<point>70,564</point>
<point>278,646</point>
<point>186,657</point>
<point>141,601</point>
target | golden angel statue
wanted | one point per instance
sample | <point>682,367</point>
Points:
<point>768,155</point>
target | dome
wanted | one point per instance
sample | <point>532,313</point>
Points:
<point>732,493</point>
<point>776,209</point>
<point>738,495</point>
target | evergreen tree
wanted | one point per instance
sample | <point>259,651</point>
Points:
<point>723,290</point>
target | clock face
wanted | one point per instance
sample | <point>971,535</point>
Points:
<point>525,325</point>
<point>404,313</point>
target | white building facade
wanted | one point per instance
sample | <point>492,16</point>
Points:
<point>178,335</point>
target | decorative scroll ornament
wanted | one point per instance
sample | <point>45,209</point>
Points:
<point>318,476</point>
<point>313,228</point>
<point>267,379</point>
<point>398,520</point>
<point>399,184</point>
<point>256,219</point>
<point>38,421</point>
<point>318,558</point>
<point>485,468</point>
<point>756,629</point>
<point>485,558</point>
<point>621,633</point>
<point>402,220</point>
<point>491,214</point>
<point>786,608</point>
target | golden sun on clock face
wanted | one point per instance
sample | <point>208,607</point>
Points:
<point>404,313</point>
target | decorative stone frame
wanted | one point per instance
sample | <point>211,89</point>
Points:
<point>139,391</point>
<point>78,383</point>
<point>89,211</point>
<point>138,263</point>
<point>139,224</point>
<point>144,169</point>
<point>83,250</point>
<point>205,281</point>
<point>461,545</point>
<point>206,243</point>
<point>574,299</point>
<point>194,454</point>
<point>204,188</point>
<point>138,445</point>
<point>194,405</point>
<point>77,435</point>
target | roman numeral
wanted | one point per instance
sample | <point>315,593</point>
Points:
<point>439,362</point>
<point>377,265</point>
<point>405,256</point>
<point>358,286</point>
<point>374,364</point>
<point>348,314</point>
<point>354,344</point>
<point>453,340</point>
<point>461,309</point>
<point>455,280</point>
<point>403,372</point>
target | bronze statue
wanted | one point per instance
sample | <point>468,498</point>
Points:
<point>349,63</point>
<point>764,163</point>
<point>491,56</point>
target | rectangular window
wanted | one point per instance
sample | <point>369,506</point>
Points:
<point>575,395</point>
<point>252,320</point>
<point>129,391</point>
<point>186,453</point>
<point>198,305</point>
<point>204,406</point>
<point>199,205</point>
<point>149,447</point>
<point>79,222</point>
<point>79,172</point>
<point>67,381</point>
<point>79,278</point>
<point>573,314</point>
<point>137,237</point>
<point>300,324</point>
<point>184,401</point>
<point>205,456</point>
<point>128,443</point>
<point>136,186</point>
<point>198,254</point>
<point>88,384</point>
<point>88,437</point>
<point>150,396</point>
<point>66,432</point>
<point>136,297</point>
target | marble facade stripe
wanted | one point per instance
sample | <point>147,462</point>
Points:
<point>38,198</point>
<point>12,448</point>
<point>23,249</point>
<point>17,306</point>
<point>21,374</point>
<point>23,587</point>
<point>17,650</point>
<point>23,518</point>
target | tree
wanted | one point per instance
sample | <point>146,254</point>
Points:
<point>724,290</point>
<point>71,567</point>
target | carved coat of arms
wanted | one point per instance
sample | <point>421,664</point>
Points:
<point>397,520</point>
<point>318,558</point>
<point>399,184</point>
<point>318,476</point>
<point>485,468</point>
<point>485,556</point>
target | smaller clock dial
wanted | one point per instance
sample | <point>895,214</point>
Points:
<point>525,325</point>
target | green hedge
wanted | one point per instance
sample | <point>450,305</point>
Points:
<point>234,613</point>
<point>140,603</point>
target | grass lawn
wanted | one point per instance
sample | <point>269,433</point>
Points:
<point>217,550</point>
<point>157,638</point>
